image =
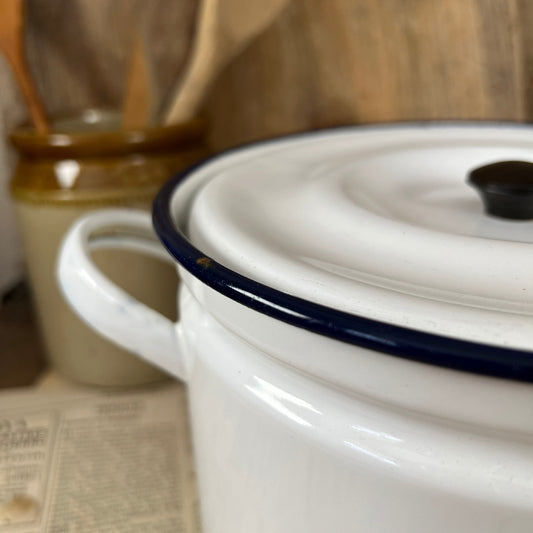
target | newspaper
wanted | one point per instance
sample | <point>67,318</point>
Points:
<point>85,461</point>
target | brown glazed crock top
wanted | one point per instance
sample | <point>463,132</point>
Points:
<point>89,158</point>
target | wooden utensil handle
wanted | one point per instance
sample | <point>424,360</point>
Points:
<point>191,91</point>
<point>33,101</point>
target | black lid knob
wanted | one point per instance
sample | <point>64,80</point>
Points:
<point>506,188</point>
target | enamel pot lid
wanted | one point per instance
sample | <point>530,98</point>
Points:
<point>414,240</point>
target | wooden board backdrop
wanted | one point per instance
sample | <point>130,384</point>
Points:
<point>323,63</point>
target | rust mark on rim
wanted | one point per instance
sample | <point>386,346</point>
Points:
<point>204,261</point>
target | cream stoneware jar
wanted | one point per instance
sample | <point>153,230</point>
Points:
<point>355,327</point>
<point>88,162</point>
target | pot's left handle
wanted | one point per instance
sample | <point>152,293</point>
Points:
<point>107,308</point>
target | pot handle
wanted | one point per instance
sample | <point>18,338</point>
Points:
<point>107,308</point>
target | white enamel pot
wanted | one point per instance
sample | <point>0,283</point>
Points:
<point>355,331</point>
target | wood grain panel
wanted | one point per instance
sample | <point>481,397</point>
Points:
<point>332,62</point>
<point>323,63</point>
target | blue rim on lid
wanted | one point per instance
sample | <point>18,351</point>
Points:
<point>386,338</point>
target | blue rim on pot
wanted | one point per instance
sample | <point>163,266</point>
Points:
<point>372,334</point>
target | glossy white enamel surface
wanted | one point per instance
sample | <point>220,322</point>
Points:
<point>277,450</point>
<point>376,222</point>
<point>497,404</point>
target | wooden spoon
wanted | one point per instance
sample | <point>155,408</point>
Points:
<point>138,109</point>
<point>224,29</point>
<point>12,45</point>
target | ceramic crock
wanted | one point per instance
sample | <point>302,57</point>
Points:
<point>86,163</point>
<point>355,329</point>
